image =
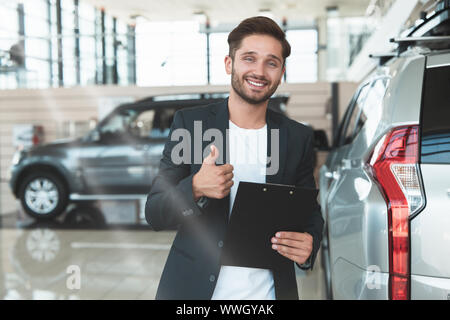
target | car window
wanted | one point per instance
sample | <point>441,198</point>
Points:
<point>372,103</point>
<point>153,123</point>
<point>435,146</point>
<point>118,124</point>
<point>338,137</point>
<point>351,118</point>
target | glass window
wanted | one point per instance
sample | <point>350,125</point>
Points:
<point>9,27</point>
<point>68,43</point>
<point>122,52</point>
<point>37,48</point>
<point>152,124</point>
<point>68,56</point>
<point>87,44</point>
<point>9,37</point>
<point>372,108</point>
<point>8,18</point>
<point>42,40</point>
<point>218,50</point>
<point>301,65</point>
<point>435,146</point>
<point>109,48</point>
<point>98,47</point>
<point>351,116</point>
<point>36,9</point>
<point>170,53</point>
<point>38,73</point>
<point>86,11</point>
<point>37,43</point>
<point>118,123</point>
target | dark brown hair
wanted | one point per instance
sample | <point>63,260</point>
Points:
<point>257,25</point>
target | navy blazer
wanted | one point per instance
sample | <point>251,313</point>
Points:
<point>193,264</point>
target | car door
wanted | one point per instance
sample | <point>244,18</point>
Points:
<point>347,202</point>
<point>328,177</point>
<point>329,171</point>
<point>119,162</point>
<point>152,129</point>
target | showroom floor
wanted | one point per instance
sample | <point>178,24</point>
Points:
<point>94,254</point>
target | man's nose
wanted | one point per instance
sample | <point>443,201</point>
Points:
<point>259,69</point>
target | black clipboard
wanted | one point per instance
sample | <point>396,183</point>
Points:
<point>259,211</point>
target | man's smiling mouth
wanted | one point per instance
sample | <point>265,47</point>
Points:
<point>256,83</point>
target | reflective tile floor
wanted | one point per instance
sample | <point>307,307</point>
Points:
<point>94,252</point>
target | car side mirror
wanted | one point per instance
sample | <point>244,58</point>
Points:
<point>95,135</point>
<point>321,140</point>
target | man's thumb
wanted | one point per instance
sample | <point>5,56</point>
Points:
<point>212,157</point>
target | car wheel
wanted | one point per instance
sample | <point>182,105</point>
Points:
<point>43,195</point>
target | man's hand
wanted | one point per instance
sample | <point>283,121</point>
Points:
<point>295,246</point>
<point>212,181</point>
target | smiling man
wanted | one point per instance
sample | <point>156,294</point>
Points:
<point>253,80</point>
<point>198,198</point>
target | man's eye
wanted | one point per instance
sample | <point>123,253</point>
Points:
<point>248,59</point>
<point>273,64</point>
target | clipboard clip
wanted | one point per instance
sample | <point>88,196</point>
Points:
<point>291,192</point>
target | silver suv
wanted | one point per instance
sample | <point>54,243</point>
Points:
<point>385,186</point>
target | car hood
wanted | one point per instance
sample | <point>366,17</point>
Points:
<point>60,144</point>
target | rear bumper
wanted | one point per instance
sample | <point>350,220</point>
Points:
<point>430,288</point>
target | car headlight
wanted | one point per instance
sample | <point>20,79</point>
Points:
<point>17,157</point>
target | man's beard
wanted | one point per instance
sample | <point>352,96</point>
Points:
<point>238,87</point>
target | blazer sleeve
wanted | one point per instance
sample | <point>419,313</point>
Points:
<point>305,178</point>
<point>171,199</point>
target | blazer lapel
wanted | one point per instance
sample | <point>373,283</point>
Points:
<point>274,123</point>
<point>219,119</point>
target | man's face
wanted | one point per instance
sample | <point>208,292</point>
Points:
<point>257,68</point>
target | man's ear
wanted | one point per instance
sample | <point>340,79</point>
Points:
<point>282,74</point>
<point>228,64</point>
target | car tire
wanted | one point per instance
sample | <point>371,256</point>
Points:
<point>43,195</point>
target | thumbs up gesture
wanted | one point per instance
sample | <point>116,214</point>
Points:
<point>212,157</point>
<point>212,181</point>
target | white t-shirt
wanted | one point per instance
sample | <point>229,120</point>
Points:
<point>248,154</point>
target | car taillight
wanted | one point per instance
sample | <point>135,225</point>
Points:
<point>395,168</point>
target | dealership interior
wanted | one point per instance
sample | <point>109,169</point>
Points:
<point>85,83</point>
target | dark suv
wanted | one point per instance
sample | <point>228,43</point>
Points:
<point>116,160</point>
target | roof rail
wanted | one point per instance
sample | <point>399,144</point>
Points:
<point>383,57</point>
<point>432,42</point>
<point>433,25</point>
<point>414,40</point>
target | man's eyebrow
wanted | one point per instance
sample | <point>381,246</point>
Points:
<point>270,55</point>
<point>275,57</point>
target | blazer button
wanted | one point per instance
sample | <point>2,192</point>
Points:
<point>220,244</point>
<point>187,212</point>
<point>212,278</point>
